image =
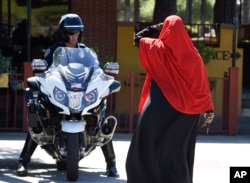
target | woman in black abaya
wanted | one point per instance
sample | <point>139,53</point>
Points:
<point>175,93</point>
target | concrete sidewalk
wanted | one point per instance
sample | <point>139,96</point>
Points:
<point>214,156</point>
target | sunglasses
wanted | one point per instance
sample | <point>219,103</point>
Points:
<point>72,33</point>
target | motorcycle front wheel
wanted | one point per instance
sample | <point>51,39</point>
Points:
<point>72,156</point>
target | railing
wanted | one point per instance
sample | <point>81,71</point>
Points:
<point>123,105</point>
<point>127,102</point>
<point>11,105</point>
<point>207,34</point>
<point>128,119</point>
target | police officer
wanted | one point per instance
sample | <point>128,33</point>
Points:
<point>70,32</point>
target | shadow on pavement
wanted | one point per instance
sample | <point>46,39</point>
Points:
<point>46,172</point>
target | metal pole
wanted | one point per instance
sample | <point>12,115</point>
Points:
<point>188,13</point>
<point>1,14</point>
<point>235,20</point>
<point>9,18</point>
<point>28,29</point>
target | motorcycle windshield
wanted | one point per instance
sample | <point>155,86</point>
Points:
<point>64,56</point>
<point>75,65</point>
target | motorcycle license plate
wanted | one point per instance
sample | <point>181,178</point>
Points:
<point>75,100</point>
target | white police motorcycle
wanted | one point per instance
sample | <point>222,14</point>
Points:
<point>67,104</point>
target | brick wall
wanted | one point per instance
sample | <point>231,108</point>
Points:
<point>99,18</point>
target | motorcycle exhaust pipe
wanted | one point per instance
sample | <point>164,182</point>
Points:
<point>108,127</point>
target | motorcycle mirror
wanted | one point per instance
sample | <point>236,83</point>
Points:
<point>111,68</point>
<point>39,65</point>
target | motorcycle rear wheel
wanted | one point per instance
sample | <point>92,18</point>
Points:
<point>72,156</point>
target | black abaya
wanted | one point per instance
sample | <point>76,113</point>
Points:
<point>163,146</point>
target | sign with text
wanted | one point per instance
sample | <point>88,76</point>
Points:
<point>239,174</point>
<point>225,55</point>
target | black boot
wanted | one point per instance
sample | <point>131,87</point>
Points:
<point>109,155</point>
<point>28,150</point>
<point>22,170</point>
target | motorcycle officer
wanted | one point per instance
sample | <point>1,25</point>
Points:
<point>70,29</point>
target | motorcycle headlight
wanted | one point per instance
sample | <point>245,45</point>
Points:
<point>90,97</point>
<point>60,96</point>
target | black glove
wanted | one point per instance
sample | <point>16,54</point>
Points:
<point>151,31</point>
<point>157,27</point>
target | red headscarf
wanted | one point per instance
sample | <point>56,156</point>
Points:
<point>177,67</point>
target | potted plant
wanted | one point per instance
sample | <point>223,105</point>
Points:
<point>207,53</point>
<point>7,72</point>
<point>103,60</point>
<point>5,66</point>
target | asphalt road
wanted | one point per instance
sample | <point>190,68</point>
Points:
<point>215,154</point>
